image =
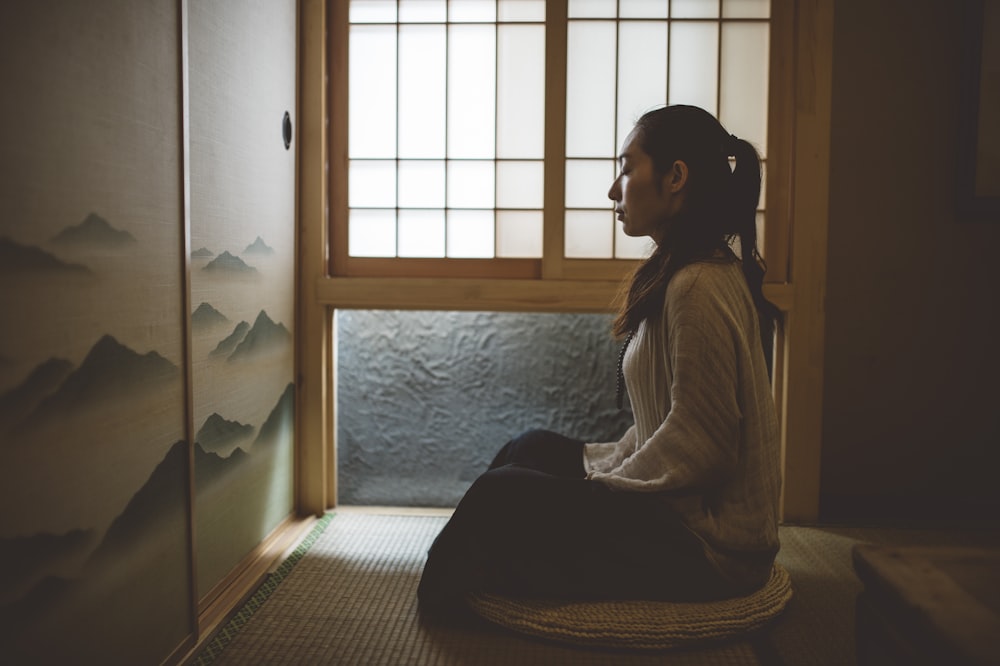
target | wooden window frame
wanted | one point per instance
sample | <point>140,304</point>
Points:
<point>553,265</point>
<point>795,232</point>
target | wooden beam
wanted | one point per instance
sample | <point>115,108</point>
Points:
<point>553,233</point>
<point>313,331</point>
<point>804,348</point>
<point>460,294</point>
<point>780,141</point>
<point>487,295</point>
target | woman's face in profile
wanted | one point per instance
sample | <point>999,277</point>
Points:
<point>644,200</point>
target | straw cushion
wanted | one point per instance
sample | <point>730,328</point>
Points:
<point>648,625</point>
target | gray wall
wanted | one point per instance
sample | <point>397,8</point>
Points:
<point>425,399</point>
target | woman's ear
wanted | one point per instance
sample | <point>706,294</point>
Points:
<point>676,178</point>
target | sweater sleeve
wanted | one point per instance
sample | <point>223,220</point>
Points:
<point>697,445</point>
<point>604,456</point>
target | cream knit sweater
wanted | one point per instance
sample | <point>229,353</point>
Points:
<point>706,434</point>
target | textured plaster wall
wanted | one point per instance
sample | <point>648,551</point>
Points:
<point>425,399</point>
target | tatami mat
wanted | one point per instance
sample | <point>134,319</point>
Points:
<point>351,599</point>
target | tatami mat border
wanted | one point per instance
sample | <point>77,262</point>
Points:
<point>226,634</point>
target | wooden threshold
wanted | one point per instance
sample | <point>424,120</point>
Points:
<point>395,510</point>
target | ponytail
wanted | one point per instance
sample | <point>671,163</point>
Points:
<point>745,195</point>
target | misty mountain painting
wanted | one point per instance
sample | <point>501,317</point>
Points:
<point>92,441</point>
<point>242,351</point>
<point>92,429</point>
<point>243,225</point>
<point>94,545</point>
<point>94,231</point>
<point>116,401</point>
<point>106,371</point>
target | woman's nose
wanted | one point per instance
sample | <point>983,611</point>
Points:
<point>614,194</point>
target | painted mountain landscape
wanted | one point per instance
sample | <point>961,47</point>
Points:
<point>122,395</point>
<point>91,439</point>
<point>242,356</point>
<point>114,200</point>
<point>85,374</point>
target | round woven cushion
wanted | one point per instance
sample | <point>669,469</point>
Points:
<point>645,625</point>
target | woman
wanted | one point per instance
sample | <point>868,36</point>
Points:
<point>685,505</point>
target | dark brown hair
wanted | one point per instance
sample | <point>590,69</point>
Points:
<point>720,205</point>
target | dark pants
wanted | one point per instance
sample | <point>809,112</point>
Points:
<point>533,525</point>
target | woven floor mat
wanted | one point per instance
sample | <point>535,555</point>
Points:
<point>351,599</point>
